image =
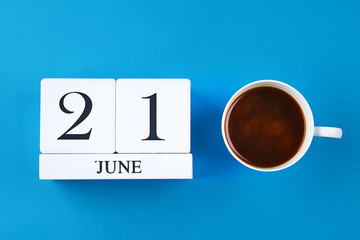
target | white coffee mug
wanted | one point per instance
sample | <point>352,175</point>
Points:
<point>310,129</point>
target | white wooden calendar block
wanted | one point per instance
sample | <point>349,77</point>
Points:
<point>115,166</point>
<point>77,116</point>
<point>153,116</point>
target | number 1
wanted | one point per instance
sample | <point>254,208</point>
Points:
<point>152,135</point>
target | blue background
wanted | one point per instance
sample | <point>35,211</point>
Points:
<point>221,46</point>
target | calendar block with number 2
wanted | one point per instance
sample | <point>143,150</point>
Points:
<point>107,129</point>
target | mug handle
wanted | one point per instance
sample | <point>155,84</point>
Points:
<point>331,132</point>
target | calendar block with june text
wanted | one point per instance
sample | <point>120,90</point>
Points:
<point>107,129</point>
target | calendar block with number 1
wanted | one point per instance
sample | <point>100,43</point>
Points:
<point>107,129</point>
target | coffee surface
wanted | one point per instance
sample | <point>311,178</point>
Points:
<point>265,127</point>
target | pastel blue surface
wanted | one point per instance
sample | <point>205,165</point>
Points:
<point>221,46</point>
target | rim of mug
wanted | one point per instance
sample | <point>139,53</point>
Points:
<point>307,114</point>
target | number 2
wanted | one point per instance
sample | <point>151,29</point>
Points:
<point>83,116</point>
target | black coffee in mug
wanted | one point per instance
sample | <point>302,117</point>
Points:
<point>265,127</point>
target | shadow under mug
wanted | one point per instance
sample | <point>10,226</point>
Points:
<point>310,129</point>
